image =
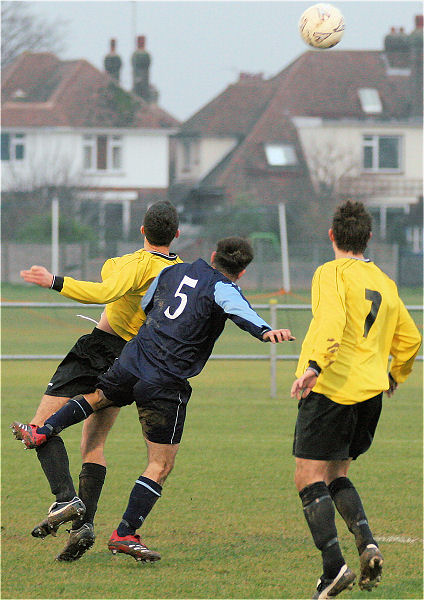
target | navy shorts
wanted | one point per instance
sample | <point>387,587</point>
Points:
<point>326,430</point>
<point>161,408</point>
<point>91,356</point>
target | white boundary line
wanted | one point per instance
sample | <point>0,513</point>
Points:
<point>397,539</point>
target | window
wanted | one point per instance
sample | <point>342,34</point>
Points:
<point>370,100</point>
<point>381,153</point>
<point>102,153</point>
<point>280,155</point>
<point>186,155</point>
<point>12,146</point>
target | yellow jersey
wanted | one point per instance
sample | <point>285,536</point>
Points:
<point>358,321</point>
<point>125,280</point>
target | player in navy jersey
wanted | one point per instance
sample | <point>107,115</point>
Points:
<point>186,308</point>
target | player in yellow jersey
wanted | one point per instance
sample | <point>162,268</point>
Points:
<point>125,280</point>
<point>358,321</point>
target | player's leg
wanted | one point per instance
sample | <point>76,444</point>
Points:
<point>162,415</point>
<point>91,480</point>
<point>55,464</point>
<point>313,449</point>
<point>94,433</point>
<point>52,454</point>
<point>347,499</point>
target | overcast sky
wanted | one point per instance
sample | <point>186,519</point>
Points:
<point>198,48</point>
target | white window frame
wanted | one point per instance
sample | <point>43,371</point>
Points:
<point>373,143</point>
<point>280,155</point>
<point>113,142</point>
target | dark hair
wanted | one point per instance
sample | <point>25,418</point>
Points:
<point>233,254</point>
<point>161,223</point>
<point>352,225</point>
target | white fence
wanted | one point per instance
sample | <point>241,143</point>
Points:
<point>272,357</point>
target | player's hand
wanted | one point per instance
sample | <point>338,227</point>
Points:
<point>393,385</point>
<point>303,386</point>
<point>276,336</point>
<point>38,275</point>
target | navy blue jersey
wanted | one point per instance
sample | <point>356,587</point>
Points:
<point>187,306</point>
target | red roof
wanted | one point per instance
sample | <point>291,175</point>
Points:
<point>321,84</point>
<point>39,90</point>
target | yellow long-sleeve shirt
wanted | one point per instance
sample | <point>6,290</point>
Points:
<point>358,321</point>
<point>125,280</point>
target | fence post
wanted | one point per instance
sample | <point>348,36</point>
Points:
<point>273,348</point>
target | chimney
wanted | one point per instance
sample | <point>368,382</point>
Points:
<point>416,61</point>
<point>140,61</point>
<point>112,61</point>
<point>396,47</point>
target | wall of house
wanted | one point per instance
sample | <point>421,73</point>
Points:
<point>145,160</point>
<point>205,154</point>
<point>54,157</point>
<point>51,158</point>
<point>347,139</point>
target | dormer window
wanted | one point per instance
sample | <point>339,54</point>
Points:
<point>19,94</point>
<point>280,155</point>
<point>370,100</point>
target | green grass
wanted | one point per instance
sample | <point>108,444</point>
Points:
<point>229,523</point>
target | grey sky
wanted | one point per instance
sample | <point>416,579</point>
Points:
<point>198,48</point>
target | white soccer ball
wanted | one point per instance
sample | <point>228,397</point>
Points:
<point>322,26</point>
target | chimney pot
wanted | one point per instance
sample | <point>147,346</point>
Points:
<point>112,46</point>
<point>141,42</point>
<point>418,21</point>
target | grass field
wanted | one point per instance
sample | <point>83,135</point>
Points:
<point>229,523</point>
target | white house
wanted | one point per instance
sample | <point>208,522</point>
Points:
<point>65,123</point>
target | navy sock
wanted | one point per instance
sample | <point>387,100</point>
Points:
<point>143,497</point>
<point>55,463</point>
<point>75,410</point>
<point>349,505</point>
<point>319,512</point>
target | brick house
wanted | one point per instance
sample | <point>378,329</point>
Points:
<point>351,119</point>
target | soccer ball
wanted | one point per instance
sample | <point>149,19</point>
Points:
<point>322,26</point>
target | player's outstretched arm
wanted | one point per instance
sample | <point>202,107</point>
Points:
<point>38,275</point>
<point>303,386</point>
<point>278,335</point>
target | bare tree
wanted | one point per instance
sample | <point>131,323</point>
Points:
<point>329,163</point>
<point>22,30</point>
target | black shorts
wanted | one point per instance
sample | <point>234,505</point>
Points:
<point>161,408</point>
<point>91,356</point>
<point>326,430</point>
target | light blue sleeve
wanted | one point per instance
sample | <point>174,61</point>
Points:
<point>149,294</point>
<point>238,309</point>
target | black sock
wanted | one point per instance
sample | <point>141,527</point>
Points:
<point>55,463</point>
<point>142,499</point>
<point>75,410</point>
<point>349,505</point>
<point>91,480</point>
<point>319,512</point>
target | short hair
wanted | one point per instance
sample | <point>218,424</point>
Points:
<point>161,223</point>
<point>352,226</point>
<point>233,254</point>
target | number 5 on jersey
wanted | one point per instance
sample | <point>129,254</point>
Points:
<point>183,297</point>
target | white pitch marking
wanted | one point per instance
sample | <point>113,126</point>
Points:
<point>399,539</point>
